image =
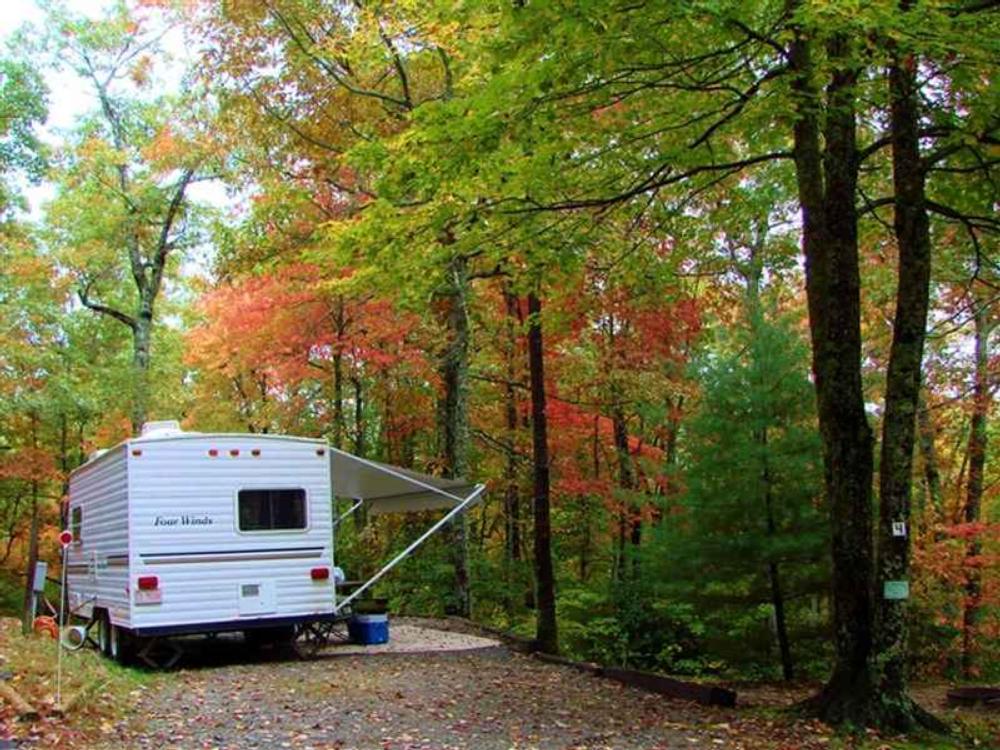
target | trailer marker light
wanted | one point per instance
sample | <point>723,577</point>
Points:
<point>319,574</point>
<point>320,451</point>
<point>136,452</point>
<point>148,583</point>
<point>234,452</point>
<point>255,452</point>
<point>213,452</point>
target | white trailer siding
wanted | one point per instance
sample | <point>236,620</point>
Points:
<point>167,506</point>
<point>98,561</point>
<point>185,530</point>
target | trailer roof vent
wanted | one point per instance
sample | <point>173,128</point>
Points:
<point>166,428</point>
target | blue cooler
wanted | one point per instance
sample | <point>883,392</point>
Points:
<point>369,630</point>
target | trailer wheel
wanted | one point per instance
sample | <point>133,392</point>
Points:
<point>121,647</point>
<point>103,632</point>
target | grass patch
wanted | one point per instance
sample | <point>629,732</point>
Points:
<point>101,691</point>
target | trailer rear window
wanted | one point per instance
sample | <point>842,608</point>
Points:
<point>272,510</point>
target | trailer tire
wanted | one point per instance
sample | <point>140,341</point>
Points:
<point>103,631</point>
<point>121,647</point>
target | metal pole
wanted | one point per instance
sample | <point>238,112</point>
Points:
<point>348,512</point>
<point>59,630</point>
<point>413,545</point>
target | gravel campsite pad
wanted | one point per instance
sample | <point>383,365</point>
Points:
<point>414,639</point>
<point>479,696</point>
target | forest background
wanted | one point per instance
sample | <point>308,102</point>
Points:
<point>703,291</point>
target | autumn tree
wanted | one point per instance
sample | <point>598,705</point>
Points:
<point>123,217</point>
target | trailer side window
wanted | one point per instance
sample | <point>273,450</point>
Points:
<point>272,510</point>
<point>76,523</point>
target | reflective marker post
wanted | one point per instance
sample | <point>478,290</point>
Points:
<point>65,539</point>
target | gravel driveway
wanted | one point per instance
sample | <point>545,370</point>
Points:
<point>479,699</point>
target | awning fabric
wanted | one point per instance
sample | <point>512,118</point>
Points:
<point>391,489</point>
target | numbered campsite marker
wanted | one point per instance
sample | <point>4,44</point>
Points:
<point>899,529</point>
<point>896,590</point>
<point>65,538</point>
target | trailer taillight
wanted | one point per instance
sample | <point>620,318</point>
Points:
<point>136,452</point>
<point>148,583</point>
<point>234,452</point>
<point>320,451</point>
<point>213,452</point>
<point>255,452</point>
<point>319,574</point>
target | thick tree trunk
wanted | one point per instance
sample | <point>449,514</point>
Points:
<point>974,486</point>
<point>827,192</point>
<point>912,229</point>
<point>454,419</point>
<point>546,633</point>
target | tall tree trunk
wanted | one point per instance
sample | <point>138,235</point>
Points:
<point>512,502</point>
<point>773,574</point>
<point>629,523</point>
<point>827,182</point>
<point>974,487</point>
<point>454,418</point>
<point>141,345</point>
<point>912,230</point>
<point>338,375</point>
<point>360,446</point>
<point>546,633</point>
<point>29,595</point>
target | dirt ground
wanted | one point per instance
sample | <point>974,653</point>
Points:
<point>429,689</point>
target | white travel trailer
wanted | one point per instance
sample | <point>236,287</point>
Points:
<point>181,533</point>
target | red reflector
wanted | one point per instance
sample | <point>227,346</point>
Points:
<point>136,452</point>
<point>255,452</point>
<point>213,452</point>
<point>319,574</point>
<point>148,583</point>
<point>234,452</point>
<point>320,452</point>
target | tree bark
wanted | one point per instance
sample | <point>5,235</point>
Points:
<point>512,503</point>
<point>974,486</point>
<point>827,182</point>
<point>29,595</point>
<point>773,574</point>
<point>141,345</point>
<point>338,375</point>
<point>454,419</point>
<point>546,633</point>
<point>932,472</point>
<point>912,230</point>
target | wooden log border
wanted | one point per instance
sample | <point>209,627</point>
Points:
<point>706,695</point>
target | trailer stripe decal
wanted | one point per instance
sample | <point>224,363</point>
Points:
<point>288,553</point>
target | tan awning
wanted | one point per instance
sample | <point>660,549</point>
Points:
<point>392,489</point>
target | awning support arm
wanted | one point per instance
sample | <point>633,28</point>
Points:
<point>349,511</point>
<point>413,545</point>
